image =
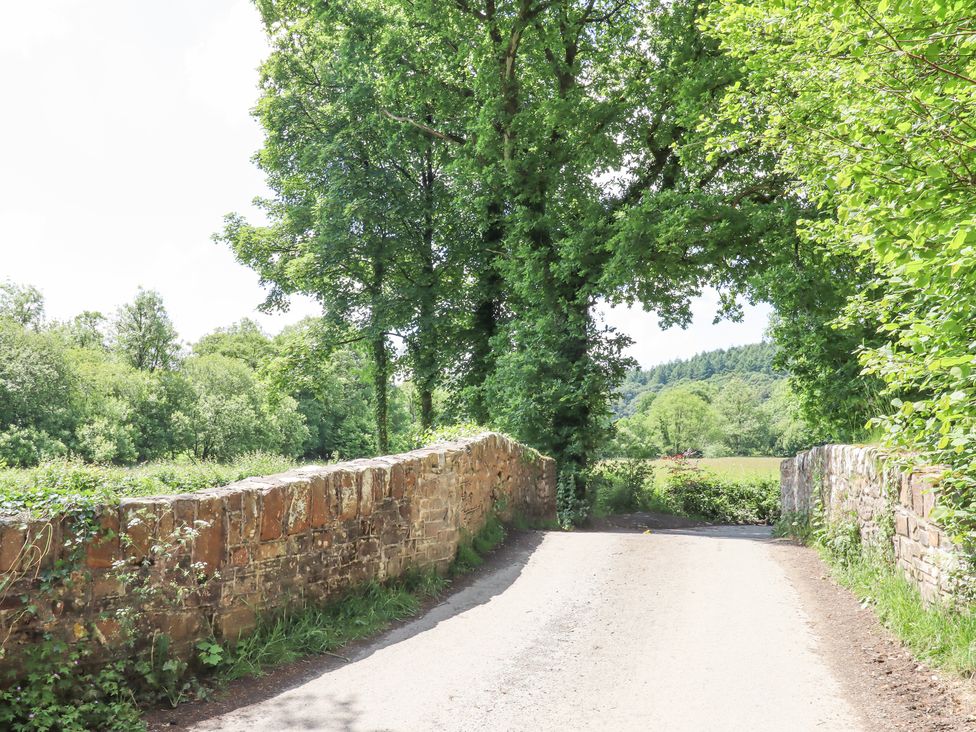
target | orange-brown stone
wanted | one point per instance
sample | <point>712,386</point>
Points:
<point>272,513</point>
<point>103,550</point>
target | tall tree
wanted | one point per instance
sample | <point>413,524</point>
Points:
<point>561,136</point>
<point>244,340</point>
<point>359,218</point>
<point>23,304</point>
<point>87,329</point>
<point>144,335</point>
<point>581,119</point>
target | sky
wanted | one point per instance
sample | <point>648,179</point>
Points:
<point>126,137</point>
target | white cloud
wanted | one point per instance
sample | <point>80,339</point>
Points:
<point>129,139</point>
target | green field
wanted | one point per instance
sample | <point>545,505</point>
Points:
<point>735,467</point>
<point>730,490</point>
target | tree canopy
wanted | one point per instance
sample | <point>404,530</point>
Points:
<point>469,178</point>
<point>871,107</point>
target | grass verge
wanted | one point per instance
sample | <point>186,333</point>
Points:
<point>943,637</point>
<point>309,631</point>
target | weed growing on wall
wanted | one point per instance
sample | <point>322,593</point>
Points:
<point>471,550</point>
<point>69,680</point>
<point>59,685</point>
<point>840,540</point>
<point>165,580</point>
<point>942,636</point>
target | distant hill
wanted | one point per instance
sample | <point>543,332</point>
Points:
<point>754,361</point>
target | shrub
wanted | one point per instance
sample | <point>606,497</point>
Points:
<point>724,500</point>
<point>619,486</point>
<point>59,692</point>
<point>21,447</point>
<point>571,507</point>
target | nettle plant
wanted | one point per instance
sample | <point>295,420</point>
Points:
<point>56,685</point>
<point>99,676</point>
<point>165,580</point>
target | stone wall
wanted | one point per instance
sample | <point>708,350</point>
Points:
<point>217,559</point>
<point>850,481</point>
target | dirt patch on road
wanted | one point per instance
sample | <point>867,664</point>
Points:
<point>881,677</point>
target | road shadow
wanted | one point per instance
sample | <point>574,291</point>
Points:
<point>664,523</point>
<point>502,567</point>
<point>344,714</point>
<point>743,533</point>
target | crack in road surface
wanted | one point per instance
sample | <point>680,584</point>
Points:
<point>692,629</point>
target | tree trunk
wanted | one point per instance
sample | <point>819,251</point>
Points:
<point>381,378</point>
<point>484,324</point>
<point>381,356</point>
<point>427,370</point>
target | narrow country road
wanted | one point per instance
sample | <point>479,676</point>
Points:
<point>694,629</point>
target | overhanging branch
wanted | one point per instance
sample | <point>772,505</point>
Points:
<point>427,130</point>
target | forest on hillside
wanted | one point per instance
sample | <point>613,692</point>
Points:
<point>754,359</point>
<point>718,403</point>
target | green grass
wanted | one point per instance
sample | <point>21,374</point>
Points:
<point>734,468</point>
<point>63,484</point>
<point>472,549</point>
<point>940,636</point>
<point>308,631</point>
<point>943,637</point>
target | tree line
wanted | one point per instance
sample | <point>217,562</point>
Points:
<point>750,359</point>
<point>123,390</point>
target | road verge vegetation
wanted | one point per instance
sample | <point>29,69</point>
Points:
<point>679,487</point>
<point>940,635</point>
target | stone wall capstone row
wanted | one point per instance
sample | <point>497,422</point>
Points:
<point>858,482</point>
<point>217,559</point>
